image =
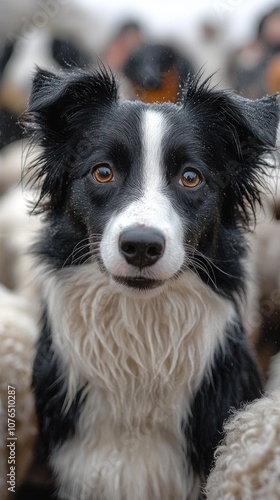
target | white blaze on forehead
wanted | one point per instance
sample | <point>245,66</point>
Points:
<point>154,126</point>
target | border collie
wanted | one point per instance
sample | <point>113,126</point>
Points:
<point>142,352</point>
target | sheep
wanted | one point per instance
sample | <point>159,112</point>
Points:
<point>18,333</point>
<point>247,463</point>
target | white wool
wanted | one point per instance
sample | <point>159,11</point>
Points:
<point>18,231</point>
<point>248,462</point>
<point>18,334</point>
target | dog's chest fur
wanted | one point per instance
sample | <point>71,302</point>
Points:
<point>141,361</point>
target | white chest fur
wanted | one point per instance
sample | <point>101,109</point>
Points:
<point>141,360</point>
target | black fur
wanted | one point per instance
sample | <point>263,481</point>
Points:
<point>55,424</point>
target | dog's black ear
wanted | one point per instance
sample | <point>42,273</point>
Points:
<point>259,117</point>
<point>240,136</point>
<point>253,125</point>
<point>56,98</point>
<point>58,110</point>
<point>253,118</point>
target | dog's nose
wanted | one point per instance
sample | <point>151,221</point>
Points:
<point>141,247</point>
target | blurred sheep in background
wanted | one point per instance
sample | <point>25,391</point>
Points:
<point>18,333</point>
<point>254,69</point>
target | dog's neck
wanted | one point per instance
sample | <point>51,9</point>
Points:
<point>140,361</point>
<point>138,351</point>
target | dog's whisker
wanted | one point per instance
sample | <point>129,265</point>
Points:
<point>197,264</point>
<point>209,260</point>
<point>79,247</point>
<point>76,248</point>
<point>85,257</point>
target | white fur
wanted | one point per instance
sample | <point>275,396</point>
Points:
<point>152,209</point>
<point>141,360</point>
<point>248,462</point>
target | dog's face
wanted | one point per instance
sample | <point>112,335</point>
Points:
<point>148,190</point>
<point>146,194</point>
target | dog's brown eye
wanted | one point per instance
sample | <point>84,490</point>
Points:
<point>103,173</point>
<point>191,179</point>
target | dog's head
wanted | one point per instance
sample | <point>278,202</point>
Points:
<point>148,190</point>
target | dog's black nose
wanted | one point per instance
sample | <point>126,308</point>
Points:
<point>141,247</point>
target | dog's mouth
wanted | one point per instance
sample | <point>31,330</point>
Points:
<point>139,283</point>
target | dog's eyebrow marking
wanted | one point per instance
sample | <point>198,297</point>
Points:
<point>154,127</point>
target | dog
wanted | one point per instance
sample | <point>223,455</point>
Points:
<point>142,261</point>
<point>156,73</point>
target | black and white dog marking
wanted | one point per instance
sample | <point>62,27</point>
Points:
<point>142,258</point>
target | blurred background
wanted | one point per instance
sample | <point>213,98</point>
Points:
<point>237,39</point>
<point>152,47</point>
